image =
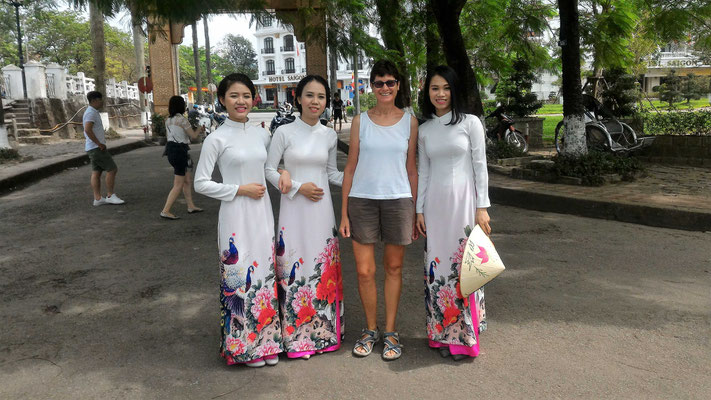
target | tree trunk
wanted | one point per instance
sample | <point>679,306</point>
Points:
<point>207,61</point>
<point>447,14</point>
<point>356,92</point>
<point>390,12</point>
<point>139,40</point>
<point>196,58</point>
<point>333,70</point>
<point>573,109</point>
<point>98,47</point>
<point>432,43</point>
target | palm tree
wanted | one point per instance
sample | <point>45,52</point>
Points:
<point>98,46</point>
<point>196,57</point>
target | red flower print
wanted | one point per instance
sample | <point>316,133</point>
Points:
<point>252,336</point>
<point>326,288</point>
<point>439,328</point>
<point>451,315</point>
<point>305,315</point>
<point>255,264</point>
<point>290,330</point>
<point>265,318</point>
<point>437,260</point>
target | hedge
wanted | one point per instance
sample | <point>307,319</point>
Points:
<point>677,123</point>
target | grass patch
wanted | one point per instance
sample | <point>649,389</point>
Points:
<point>551,109</point>
<point>677,106</point>
<point>549,124</point>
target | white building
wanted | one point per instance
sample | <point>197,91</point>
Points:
<point>281,60</point>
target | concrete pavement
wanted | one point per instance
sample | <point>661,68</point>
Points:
<point>114,302</point>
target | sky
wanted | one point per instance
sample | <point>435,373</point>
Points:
<point>219,26</point>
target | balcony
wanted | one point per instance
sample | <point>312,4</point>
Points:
<point>288,71</point>
<point>284,49</point>
<point>268,50</point>
<point>271,72</point>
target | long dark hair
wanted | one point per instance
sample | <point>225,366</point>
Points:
<point>446,72</point>
<point>310,78</point>
<point>386,67</point>
<point>231,79</point>
<point>176,105</point>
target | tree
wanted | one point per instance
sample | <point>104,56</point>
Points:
<point>670,89</point>
<point>186,62</point>
<point>693,87</point>
<point>238,51</point>
<point>98,47</point>
<point>447,14</point>
<point>207,59</point>
<point>514,91</point>
<point>622,92</point>
<point>390,13</point>
<point>573,109</point>
<point>196,64</point>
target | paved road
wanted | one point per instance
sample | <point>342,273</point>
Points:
<point>115,303</point>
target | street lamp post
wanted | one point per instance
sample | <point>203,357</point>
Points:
<point>17,5</point>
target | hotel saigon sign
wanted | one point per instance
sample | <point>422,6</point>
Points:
<point>286,78</point>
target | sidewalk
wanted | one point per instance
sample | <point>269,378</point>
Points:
<point>677,197</point>
<point>49,159</point>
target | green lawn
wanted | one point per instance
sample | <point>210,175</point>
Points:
<point>558,108</point>
<point>549,124</point>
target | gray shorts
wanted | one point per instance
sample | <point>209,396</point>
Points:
<point>387,220</point>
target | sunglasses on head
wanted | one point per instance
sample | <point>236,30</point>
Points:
<point>379,84</point>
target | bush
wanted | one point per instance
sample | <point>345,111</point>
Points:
<point>677,123</point>
<point>367,101</point>
<point>8,155</point>
<point>622,95</point>
<point>158,125</point>
<point>514,91</point>
<point>593,166</point>
<point>502,149</point>
<point>350,110</point>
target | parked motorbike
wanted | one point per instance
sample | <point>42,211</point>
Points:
<point>505,130</point>
<point>282,117</point>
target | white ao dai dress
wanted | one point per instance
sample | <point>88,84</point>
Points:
<point>245,239</point>
<point>453,183</point>
<point>308,256</point>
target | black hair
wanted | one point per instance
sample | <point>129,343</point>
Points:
<point>176,105</point>
<point>387,67</point>
<point>449,75</point>
<point>231,79</point>
<point>93,95</point>
<point>302,84</point>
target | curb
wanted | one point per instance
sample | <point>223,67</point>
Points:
<point>30,176</point>
<point>631,213</point>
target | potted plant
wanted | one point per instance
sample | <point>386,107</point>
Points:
<point>158,132</point>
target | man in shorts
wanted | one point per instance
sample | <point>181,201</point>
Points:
<point>337,104</point>
<point>95,147</point>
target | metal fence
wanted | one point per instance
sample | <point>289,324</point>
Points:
<point>50,86</point>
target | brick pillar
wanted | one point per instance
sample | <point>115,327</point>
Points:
<point>316,60</point>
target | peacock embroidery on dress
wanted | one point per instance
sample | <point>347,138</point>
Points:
<point>249,320</point>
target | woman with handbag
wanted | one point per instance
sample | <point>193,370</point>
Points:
<point>308,256</point>
<point>379,187</point>
<point>179,132</point>
<point>251,332</point>
<point>452,198</point>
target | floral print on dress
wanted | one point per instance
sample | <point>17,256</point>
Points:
<point>310,305</point>
<point>449,318</point>
<point>249,321</point>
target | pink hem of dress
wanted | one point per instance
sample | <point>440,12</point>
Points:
<point>472,351</point>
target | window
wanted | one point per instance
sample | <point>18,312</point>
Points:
<point>268,46</point>
<point>270,94</point>
<point>289,63</point>
<point>270,67</point>
<point>267,20</point>
<point>289,43</point>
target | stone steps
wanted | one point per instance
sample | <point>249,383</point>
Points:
<point>25,132</point>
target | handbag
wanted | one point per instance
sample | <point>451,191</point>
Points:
<point>480,262</point>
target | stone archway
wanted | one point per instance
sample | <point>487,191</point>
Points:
<point>163,40</point>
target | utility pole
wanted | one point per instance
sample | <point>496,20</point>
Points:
<point>356,92</point>
<point>208,62</point>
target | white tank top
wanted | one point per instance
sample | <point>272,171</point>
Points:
<point>381,172</point>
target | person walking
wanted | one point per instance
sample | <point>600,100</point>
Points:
<point>379,189</point>
<point>99,157</point>
<point>251,331</point>
<point>452,198</point>
<point>337,111</point>
<point>179,132</point>
<point>308,256</point>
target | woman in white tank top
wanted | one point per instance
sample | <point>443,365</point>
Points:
<point>379,191</point>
